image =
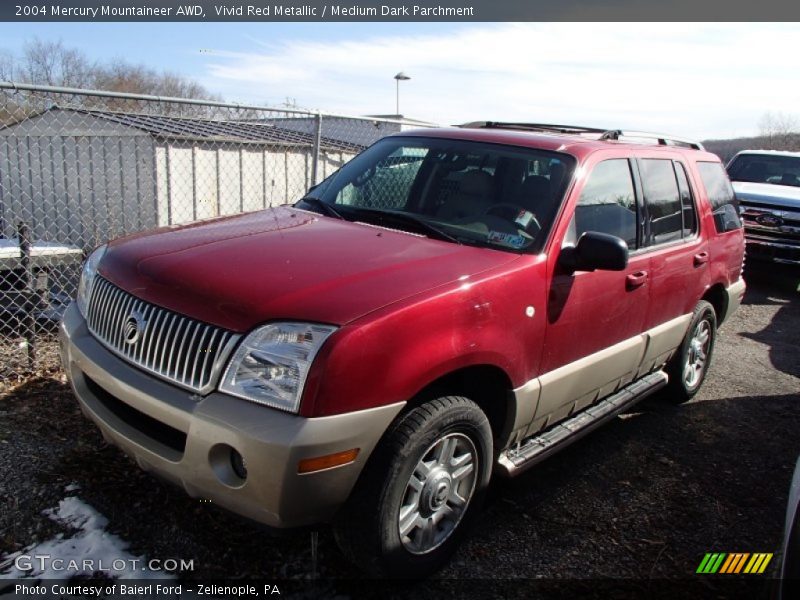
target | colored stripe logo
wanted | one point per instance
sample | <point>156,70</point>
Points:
<point>734,563</point>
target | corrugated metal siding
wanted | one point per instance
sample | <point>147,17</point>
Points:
<point>72,185</point>
<point>79,179</point>
<point>198,183</point>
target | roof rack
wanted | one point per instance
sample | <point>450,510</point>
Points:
<point>532,127</point>
<point>661,138</point>
<point>605,134</point>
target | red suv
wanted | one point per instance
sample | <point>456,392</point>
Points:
<point>452,303</point>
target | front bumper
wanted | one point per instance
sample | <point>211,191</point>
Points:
<point>187,439</point>
<point>762,248</point>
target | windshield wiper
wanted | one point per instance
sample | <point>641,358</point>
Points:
<point>409,219</point>
<point>323,206</point>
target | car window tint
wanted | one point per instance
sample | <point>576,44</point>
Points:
<point>388,183</point>
<point>720,194</point>
<point>469,192</point>
<point>661,196</point>
<point>607,203</point>
<point>687,201</point>
<point>766,168</point>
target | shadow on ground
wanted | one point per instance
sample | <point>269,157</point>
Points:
<point>778,285</point>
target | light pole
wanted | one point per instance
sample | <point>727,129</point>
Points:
<point>400,77</point>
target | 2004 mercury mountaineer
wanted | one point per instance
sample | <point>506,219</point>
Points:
<point>449,304</point>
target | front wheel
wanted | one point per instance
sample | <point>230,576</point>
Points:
<point>420,490</point>
<point>687,369</point>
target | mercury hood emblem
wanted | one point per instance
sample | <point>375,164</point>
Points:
<point>133,328</point>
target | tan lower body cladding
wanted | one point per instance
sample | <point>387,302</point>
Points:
<point>564,391</point>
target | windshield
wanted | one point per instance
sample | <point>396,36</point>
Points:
<point>765,168</point>
<point>463,192</point>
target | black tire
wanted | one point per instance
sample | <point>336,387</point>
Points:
<point>368,528</point>
<point>682,386</point>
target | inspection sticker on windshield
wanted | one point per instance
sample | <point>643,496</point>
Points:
<point>507,239</point>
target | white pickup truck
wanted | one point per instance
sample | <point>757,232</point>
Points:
<point>767,186</point>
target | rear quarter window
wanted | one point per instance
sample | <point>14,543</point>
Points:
<point>720,194</point>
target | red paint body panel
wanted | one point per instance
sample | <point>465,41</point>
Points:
<point>591,311</point>
<point>392,354</point>
<point>284,263</point>
<point>587,312</point>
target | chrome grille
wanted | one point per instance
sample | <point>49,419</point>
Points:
<point>181,350</point>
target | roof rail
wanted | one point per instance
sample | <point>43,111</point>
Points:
<point>661,138</point>
<point>605,134</point>
<point>532,127</point>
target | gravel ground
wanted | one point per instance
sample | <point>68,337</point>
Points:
<point>641,500</point>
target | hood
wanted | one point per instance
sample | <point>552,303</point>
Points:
<point>785,196</point>
<point>285,263</point>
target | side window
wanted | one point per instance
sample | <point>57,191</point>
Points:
<point>720,194</point>
<point>607,203</point>
<point>663,201</point>
<point>687,202</point>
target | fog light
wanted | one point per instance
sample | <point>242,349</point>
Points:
<point>238,464</point>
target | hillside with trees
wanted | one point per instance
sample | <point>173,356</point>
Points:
<point>777,131</point>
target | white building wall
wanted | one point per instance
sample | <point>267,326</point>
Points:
<point>202,182</point>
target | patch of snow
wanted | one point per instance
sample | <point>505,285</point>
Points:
<point>9,248</point>
<point>72,487</point>
<point>90,549</point>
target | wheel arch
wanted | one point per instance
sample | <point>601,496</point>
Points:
<point>717,297</point>
<point>489,386</point>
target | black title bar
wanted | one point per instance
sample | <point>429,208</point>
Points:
<point>398,10</point>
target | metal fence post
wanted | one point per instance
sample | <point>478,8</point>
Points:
<point>28,292</point>
<point>317,144</point>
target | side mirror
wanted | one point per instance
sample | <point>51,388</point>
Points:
<point>594,251</point>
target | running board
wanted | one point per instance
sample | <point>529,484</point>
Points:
<point>532,450</point>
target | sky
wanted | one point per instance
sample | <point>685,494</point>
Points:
<point>702,80</point>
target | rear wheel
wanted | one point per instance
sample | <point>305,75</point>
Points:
<point>687,369</point>
<point>420,490</point>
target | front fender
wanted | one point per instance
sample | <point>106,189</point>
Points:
<point>497,322</point>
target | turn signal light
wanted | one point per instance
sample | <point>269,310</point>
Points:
<point>319,463</point>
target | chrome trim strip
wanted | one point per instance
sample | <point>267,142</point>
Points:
<point>208,351</point>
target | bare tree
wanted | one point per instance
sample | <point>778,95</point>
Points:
<point>119,76</point>
<point>781,131</point>
<point>6,65</point>
<point>52,63</point>
<point>10,111</point>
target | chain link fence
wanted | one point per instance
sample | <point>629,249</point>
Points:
<point>81,167</point>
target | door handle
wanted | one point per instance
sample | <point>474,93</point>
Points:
<point>700,259</point>
<point>637,279</point>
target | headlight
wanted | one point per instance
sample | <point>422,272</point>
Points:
<point>271,364</point>
<point>87,278</point>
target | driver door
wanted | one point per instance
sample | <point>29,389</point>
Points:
<point>593,342</point>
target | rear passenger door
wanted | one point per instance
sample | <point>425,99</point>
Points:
<point>595,319</point>
<point>678,254</point>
